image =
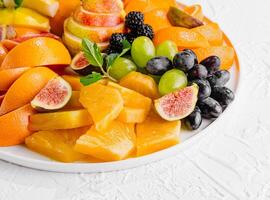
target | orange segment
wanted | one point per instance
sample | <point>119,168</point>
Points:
<point>25,88</point>
<point>116,143</point>
<point>8,76</point>
<point>195,11</point>
<point>212,33</point>
<point>58,145</point>
<point>157,18</point>
<point>183,38</point>
<point>156,134</point>
<point>14,126</point>
<point>225,53</point>
<point>37,52</point>
<point>103,103</point>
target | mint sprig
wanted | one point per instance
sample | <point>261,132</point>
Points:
<point>18,3</point>
<point>95,58</point>
<point>91,78</point>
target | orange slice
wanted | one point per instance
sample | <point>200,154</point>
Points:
<point>195,11</point>
<point>183,38</point>
<point>25,88</point>
<point>14,126</point>
<point>37,52</point>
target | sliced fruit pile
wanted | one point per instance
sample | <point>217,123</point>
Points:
<point>133,79</point>
<point>95,20</point>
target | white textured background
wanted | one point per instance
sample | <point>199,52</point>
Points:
<point>231,163</point>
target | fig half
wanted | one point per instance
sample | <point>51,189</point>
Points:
<point>81,65</point>
<point>177,105</point>
<point>54,96</point>
<point>180,18</point>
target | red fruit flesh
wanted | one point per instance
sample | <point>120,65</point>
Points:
<point>98,19</point>
<point>81,62</point>
<point>179,104</point>
<point>54,94</point>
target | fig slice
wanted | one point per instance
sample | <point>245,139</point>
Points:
<point>180,18</point>
<point>177,105</point>
<point>81,65</point>
<point>54,96</point>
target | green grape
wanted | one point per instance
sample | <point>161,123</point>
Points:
<point>167,49</point>
<point>171,81</point>
<point>142,51</point>
<point>121,67</point>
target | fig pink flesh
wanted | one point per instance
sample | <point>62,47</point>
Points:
<point>81,62</point>
<point>54,93</point>
<point>177,103</point>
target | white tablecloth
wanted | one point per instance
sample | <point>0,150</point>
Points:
<point>230,163</point>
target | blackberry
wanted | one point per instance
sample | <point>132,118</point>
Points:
<point>116,45</point>
<point>145,30</point>
<point>110,51</point>
<point>134,20</point>
<point>131,36</point>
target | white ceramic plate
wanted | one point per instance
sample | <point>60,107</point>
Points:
<point>20,155</point>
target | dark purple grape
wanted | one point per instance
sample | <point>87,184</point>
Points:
<point>204,88</point>
<point>184,61</point>
<point>194,120</point>
<point>210,108</point>
<point>219,78</point>
<point>198,72</point>
<point>193,53</point>
<point>159,65</point>
<point>212,64</point>
<point>223,95</point>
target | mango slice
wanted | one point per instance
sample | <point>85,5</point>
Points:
<point>60,120</point>
<point>116,143</point>
<point>57,145</point>
<point>103,103</point>
<point>156,134</point>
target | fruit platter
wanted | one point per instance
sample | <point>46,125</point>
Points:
<point>101,85</point>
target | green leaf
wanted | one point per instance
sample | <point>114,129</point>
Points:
<point>91,78</point>
<point>126,44</point>
<point>18,2</point>
<point>111,58</point>
<point>92,53</point>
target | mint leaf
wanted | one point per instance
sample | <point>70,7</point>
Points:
<point>92,53</point>
<point>126,44</point>
<point>18,2</point>
<point>112,57</point>
<point>91,78</point>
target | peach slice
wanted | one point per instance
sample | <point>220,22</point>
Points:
<point>98,19</point>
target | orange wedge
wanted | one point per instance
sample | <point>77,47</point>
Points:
<point>37,52</point>
<point>8,76</point>
<point>14,126</point>
<point>25,88</point>
<point>183,38</point>
<point>3,53</point>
